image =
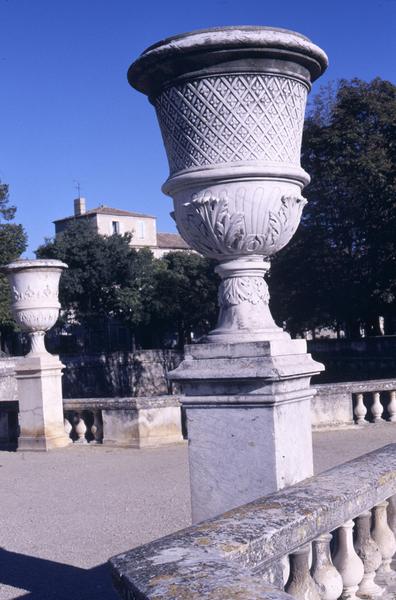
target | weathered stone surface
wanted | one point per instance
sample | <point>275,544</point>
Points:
<point>8,386</point>
<point>40,403</point>
<point>332,406</point>
<point>246,541</point>
<point>119,374</point>
<point>241,451</point>
<point>248,420</point>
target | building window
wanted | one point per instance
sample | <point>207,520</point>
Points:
<point>141,230</point>
<point>115,226</point>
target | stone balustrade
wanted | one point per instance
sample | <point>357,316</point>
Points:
<point>335,405</point>
<point>355,402</point>
<point>327,537</point>
<point>128,422</point>
<point>84,426</point>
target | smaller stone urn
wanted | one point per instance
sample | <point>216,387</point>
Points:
<point>35,305</point>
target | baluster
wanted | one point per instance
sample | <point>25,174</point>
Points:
<point>392,513</point>
<point>360,410</point>
<point>80,429</point>
<point>383,537</point>
<point>370,554</point>
<point>301,585</point>
<point>392,406</point>
<point>285,565</point>
<point>377,408</point>
<point>68,426</point>
<point>324,573</point>
<point>97,427</point>
<point>347,562</point>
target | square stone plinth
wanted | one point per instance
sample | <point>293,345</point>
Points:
<point>248,420</point>
<point>39,384</point>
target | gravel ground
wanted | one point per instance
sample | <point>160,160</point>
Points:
<point>63,514</point>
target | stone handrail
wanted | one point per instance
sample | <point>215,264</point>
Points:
<point>239,553</point>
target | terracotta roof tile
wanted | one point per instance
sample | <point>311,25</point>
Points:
<point>105,210</point>
<point>171,240</point>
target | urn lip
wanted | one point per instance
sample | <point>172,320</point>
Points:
<point>23,264</point>
<point>242,46</point>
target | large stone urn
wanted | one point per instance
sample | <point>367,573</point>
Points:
<point>35,306</point>
<point>230,102</point>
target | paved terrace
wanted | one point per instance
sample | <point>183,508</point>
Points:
<point>63,514</point>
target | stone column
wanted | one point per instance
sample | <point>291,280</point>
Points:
<point>230,102</point>
<point>34,289</point>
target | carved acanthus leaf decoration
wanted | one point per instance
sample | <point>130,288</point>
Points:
<point>211,228</point>
<point>284,222</point>
<point>234,290</point>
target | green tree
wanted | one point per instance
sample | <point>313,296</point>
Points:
<point>340,268</point>
<point>13,241</point>
<point>185,297</point>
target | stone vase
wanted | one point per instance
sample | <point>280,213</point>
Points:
<point>230,103</point>
<point>34,291</point>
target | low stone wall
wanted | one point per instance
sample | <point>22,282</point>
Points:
<point>147,422</point>
<point>119,374</point>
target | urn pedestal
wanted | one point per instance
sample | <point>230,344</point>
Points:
<point>34,289</point>
<point>248,409</point>
<point>230,103</point>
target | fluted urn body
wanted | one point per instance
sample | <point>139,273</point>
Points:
<point>230,103</point>
<point>34,291</point>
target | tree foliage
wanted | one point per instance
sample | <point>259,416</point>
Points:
<point>185,296</point>
<point>340,268</point>
<point>13,242</point>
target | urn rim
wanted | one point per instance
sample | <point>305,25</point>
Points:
<point>196,52</point>
<point>23,264</point>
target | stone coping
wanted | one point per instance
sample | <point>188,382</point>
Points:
<point>222,557</point>
<point>354,387</point>
<point>144,402</point>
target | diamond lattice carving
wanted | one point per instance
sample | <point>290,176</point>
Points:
<point>232,118</point>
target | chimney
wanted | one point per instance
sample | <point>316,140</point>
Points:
<point>79,207</point>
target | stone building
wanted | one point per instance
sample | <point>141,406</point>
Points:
<point>107,220</point>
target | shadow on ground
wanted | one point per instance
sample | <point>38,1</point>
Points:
<point>40,579</point>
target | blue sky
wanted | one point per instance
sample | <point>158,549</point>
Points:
<point>67,112</point>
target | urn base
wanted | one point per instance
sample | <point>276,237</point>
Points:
<point>243,300</point>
